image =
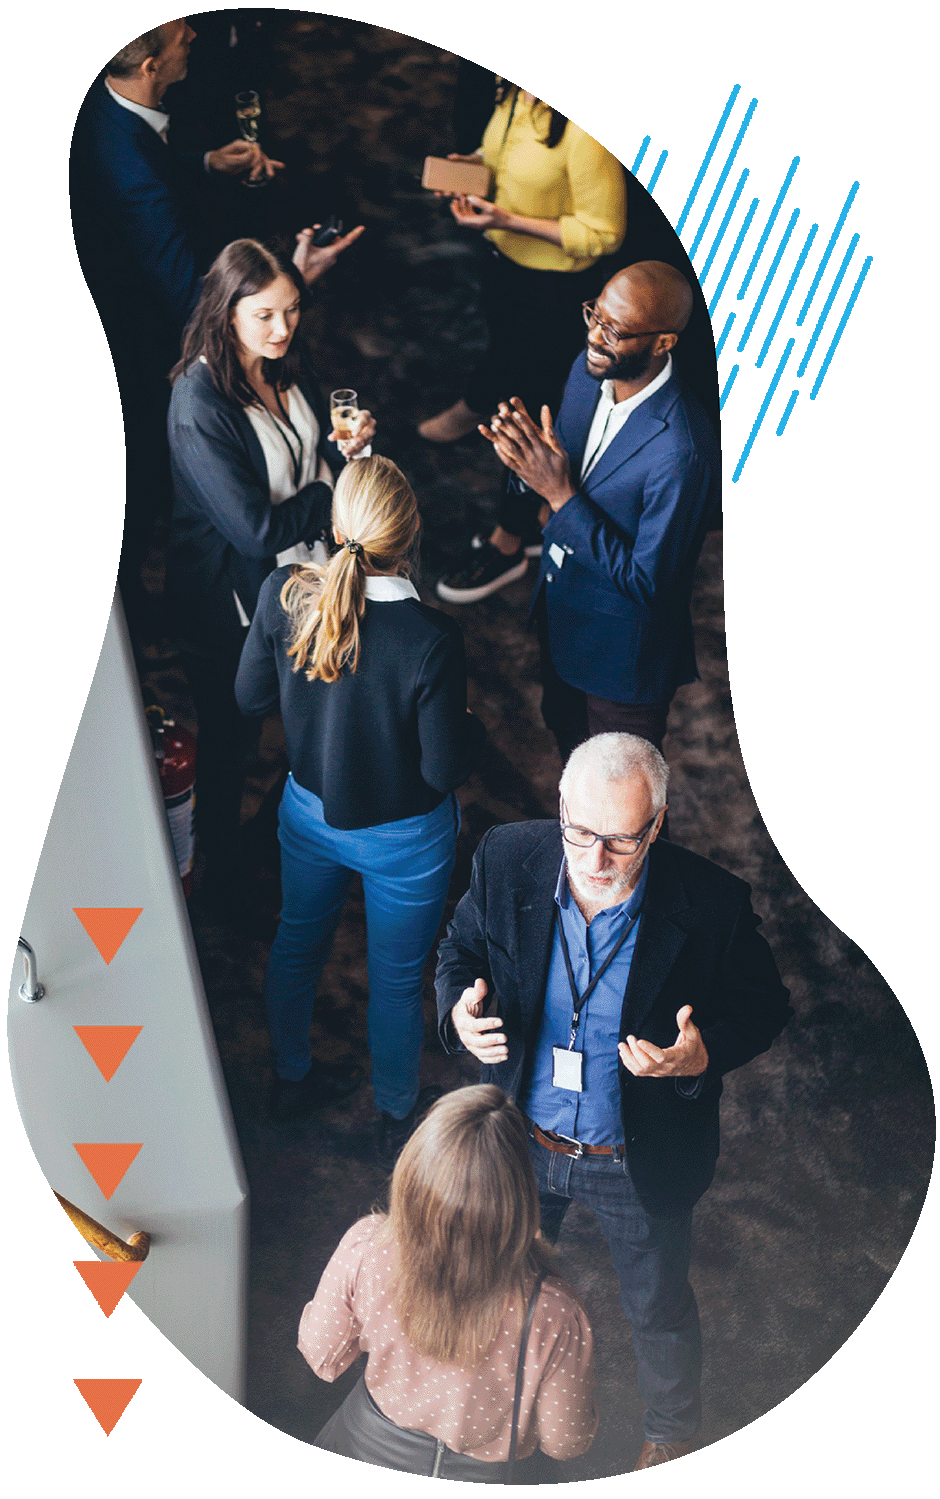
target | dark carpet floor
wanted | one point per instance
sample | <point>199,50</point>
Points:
<point>828,1139</point>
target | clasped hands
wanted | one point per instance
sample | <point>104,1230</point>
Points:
<point>533,453</point>
<point>484,1038</point>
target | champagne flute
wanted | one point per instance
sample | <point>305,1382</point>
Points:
<point>248,113</point>
<point>344,414</point>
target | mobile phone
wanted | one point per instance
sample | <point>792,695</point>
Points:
<point>326,234</point>
<point>458,177</point>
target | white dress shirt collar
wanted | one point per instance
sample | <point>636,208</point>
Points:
<point>610,415</point>
<point>390,590</point>
<point>157,119</point>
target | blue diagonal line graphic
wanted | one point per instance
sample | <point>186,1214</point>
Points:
<point>659,166</point>
<point>724,334</point>
<point>841,328</point>
<point>786,297</point>
<point>828,304</point>
<point>640,155</point>
<point>786,415</point>
<point>728,384</point>
<point>768,227</point>
<point>721,180</point>
<point>763,410</point>
<point>708,156</point>
<point>768,278</point>
<point>724,224</point>
<point>733,256</point>
<point>828,251</point>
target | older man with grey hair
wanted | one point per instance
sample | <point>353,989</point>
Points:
<point>607,980</point>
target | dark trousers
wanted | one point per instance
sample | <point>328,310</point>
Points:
<point>226,740</point>
<point>536,328</point>
<point>651,1258</point>
<point>573,715</point>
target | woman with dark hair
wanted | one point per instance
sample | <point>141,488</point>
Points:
<point>372,688</point>
<point>452,1298</point>
<point>253,467</point>
<point>558,205</point>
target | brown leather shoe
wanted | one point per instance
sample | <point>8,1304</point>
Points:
<point>654,1453</point>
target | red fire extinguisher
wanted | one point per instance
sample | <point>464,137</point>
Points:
<point>175,750</point>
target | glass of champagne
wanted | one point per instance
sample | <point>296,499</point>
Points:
<point>248,113</point>
<point>344,414</point>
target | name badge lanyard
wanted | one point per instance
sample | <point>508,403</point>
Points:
<point>580,1000</point>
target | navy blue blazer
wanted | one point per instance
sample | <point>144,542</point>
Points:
<point>617,607</point>
<point>697,943</point>
<point>134,220</point>
<point>225,534</point>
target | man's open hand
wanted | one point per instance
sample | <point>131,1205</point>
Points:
<point>687,1058</point>
<point>534,453</point>
<point>312,260</point>
<point>482,1035</point>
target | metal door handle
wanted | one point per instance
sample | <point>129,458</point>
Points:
<point>30,989</point>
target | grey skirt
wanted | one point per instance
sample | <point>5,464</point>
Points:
<point>360,1430</point>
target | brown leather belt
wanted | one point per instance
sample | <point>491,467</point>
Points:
<point>561,1146</point>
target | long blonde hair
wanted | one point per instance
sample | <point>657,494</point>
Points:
<point>464,1215</point>
<point>375,511</point>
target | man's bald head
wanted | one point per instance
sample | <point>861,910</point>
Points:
<point>659,289</point>
<point>636,322</point>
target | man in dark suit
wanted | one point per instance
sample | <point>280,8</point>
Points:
<point>137,216</point>
<point>630,478</point>
<point>621,978</point>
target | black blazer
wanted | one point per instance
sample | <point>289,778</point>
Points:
<point>134,216</point>
<point>697,943</point>
<point>225,534</point>
<point>385,742</point>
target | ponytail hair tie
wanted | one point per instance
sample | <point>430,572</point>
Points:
<point>354,547</point>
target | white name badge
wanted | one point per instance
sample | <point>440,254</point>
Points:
<point>566,1069</point>
<point>556,554</point>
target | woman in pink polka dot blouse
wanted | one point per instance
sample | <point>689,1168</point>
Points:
<point>436,1294</point>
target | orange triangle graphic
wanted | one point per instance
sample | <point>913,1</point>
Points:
<point>107,1045</point>
<point>108,1399</point>
<point>107,1281</point>
<point>107,1163</point>
<point>107,926</point>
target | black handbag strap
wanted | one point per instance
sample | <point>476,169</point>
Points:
<point>520,1374</point>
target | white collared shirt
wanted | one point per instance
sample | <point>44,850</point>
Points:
<point>610,415</point>
<point>390,590</point>
<point>157,119</point>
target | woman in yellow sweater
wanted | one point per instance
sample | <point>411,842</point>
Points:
<point>558,205</point>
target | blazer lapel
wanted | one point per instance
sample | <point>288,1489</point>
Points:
<point>660,938</point>
<point>643,424</point>
<point>535,905</point>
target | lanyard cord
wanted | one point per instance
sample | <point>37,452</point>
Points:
<point>580,1000</point>
<point>296,459</point>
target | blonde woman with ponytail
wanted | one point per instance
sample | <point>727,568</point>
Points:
<point>371,686</point>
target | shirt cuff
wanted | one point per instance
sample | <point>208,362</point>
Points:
<point>690,1087</point>
<point>205,162</point>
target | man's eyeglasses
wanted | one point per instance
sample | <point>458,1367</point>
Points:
<point>612,335</point>
<point>615,843</point>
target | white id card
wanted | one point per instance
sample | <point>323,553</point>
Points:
<point>557,555</point>
<point>566,1069</point>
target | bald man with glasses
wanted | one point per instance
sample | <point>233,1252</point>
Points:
<point>629,477</point>
<point>607,980</point>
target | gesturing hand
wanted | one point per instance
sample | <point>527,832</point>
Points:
<point>687,1058</point>
<point>239,156</point>
<point>312,260</point>
<point>534,453</point>
<point>482,1035</point>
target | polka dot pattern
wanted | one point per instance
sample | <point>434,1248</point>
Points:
<point>468,1409</point>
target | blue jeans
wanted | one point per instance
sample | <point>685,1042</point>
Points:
<point>651,1257</point>
<point>406,868</point>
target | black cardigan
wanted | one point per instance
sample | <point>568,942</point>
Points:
<point>385,742</point>
<point>225,533</point>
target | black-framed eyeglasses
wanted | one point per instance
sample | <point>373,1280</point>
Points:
<point>615,843</point>
<point>612,335</point>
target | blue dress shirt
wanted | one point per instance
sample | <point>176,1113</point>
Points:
<point>593,1115</point>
